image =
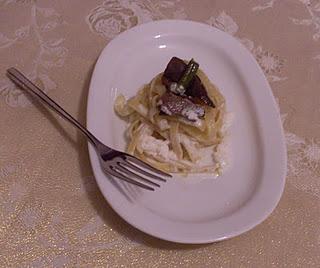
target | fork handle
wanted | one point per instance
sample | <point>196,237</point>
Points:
<point>18,78</point>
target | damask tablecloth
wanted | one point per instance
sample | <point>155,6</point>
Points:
<point>51,211</point>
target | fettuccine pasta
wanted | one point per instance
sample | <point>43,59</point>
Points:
<point>173,143</point>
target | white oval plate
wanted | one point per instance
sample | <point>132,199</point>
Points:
<point>193,210</point>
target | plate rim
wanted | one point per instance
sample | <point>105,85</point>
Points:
<point>262,78</point>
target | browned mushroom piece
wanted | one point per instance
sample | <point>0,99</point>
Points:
<point>172,104</point>
<point>195,91</point>
<point>173,72</point>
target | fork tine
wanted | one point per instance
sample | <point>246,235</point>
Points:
<point>120,176</point>
<point>130,173</point>
<point>140,170</point>
<point>145,165</point>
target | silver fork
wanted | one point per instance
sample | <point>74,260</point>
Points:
<point>118,164</point>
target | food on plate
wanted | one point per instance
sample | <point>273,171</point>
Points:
<point>177,122</point>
